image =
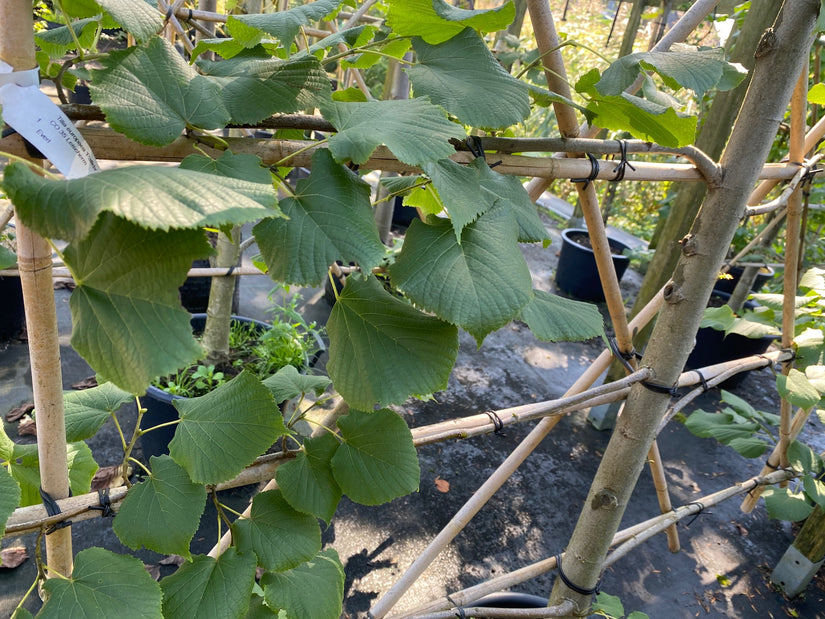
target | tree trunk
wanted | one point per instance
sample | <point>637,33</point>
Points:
<point>711,139</point>
<point>633,21</point>
<point>221,293</point>
<point>703,252</point>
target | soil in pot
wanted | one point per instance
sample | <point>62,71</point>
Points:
<point>713,346</point>
<point>12,315</point>
<point>577,273</point>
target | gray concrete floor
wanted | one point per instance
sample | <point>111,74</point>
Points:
<point>532,516</point>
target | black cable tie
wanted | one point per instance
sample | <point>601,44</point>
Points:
<point>770,365</point>
<point>475,147</point>
<point>53,509</point>
<point>498,424</point>
<point>594,172</point>
<point>620,169</point>
<point>459,610</point>
<point>697,514</point>
<point>672,391</point>
<point>353,166</point>
<point>705,386</point>
<point>230,270</point>
<point>624,358</point>
<point>191,15</point>
<point>572,586</point>
<point>31,149</point>
<point>492,165</point>
<point>771,466</point>
<point>168,15</point>
<point>105,506</point>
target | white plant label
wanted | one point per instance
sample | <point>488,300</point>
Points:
<point>36,117</point>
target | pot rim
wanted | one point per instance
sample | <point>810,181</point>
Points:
<point>566,236</point>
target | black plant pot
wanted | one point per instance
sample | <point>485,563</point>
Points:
<point>727,285</point>
<point>12,315</point>
<point>159,404</point>
<point>194,293</point>
<point>712,347</point>
<point>577,274</point>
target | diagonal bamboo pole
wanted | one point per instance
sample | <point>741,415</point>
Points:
<point>35,263</point>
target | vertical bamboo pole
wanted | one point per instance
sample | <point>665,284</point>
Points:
<point>792,246</point>
<point>548,43</point>
<point>35,264</point>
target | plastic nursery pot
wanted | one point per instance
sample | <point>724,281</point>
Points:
<point>712,346</point>
<point>727,285</point>
<point>576,273</point>
<point>159,406</point>
<point>194,293</point>
<point>12,315</point>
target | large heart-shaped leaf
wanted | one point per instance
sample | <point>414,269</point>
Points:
<point>415,130</point>
<point>209,587</point>
<point>162,513</point>
<point>284,25</point>
<point>255,88</point>
<point>462,76</point>
<point>329,219</point>
<point>128,321</point>
<point>307,482</point>
<point>552,318</point>
<point>85,411</point>
<point>698,70</point>
<point>479,284</point>
<point>57,41</point>
<point>784,504</point>
<point>137,17</point>
<point>383,350</point>
<point>243,167</point>
<point>151,94</point>
<point>225,430</point>
<point>435,21</point>
<point>797,389</point>
<point>154,197</point>
<point>281,537</point>
<point>459,191</point>
<point>314,589</point>
<point>9,496</point>
<point>102,583</point>
<point>377,461</point>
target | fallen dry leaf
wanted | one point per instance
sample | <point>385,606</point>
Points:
<point>107,477</point>
<point>172,560</point>
<point>64,284</point>
<point>27,427</point>
<point>86,383</point>
<point>10,558</point>
<point>153,569</point>
<point>16,413</point>
<point>742,530</point>
<point>442,485</point>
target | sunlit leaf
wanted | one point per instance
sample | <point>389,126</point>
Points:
<point>782,504</point>
<point>284,25</point>
<point>435,21</point>
<point>797,390</point>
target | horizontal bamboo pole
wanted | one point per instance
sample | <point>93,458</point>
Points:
<point>110,145</point>
<point>639,531</point>
<point>63,272</point>
<point>561,610</point>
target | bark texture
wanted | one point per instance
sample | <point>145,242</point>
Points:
<point>702,253</point>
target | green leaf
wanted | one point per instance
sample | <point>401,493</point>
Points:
<point>637,614</point>
<point>21,613</point>
<point>782,504</point>
<point>395,47</point>
<point>796,389</point>
<point>307,482</point>
<point>816,94</point>
<point>281,537</point>
<point>479,285</point>
<point>86,411</point>
<point>803,458</point>
<point>314,589</point>
<point>258,608</point>
<point>284,25</point>
<point>225,48</point>
<point>552,318</point>
<point>741,406</point>
<point>288,383</point>
<point>58,41</point>
<point>383,350</point>
<point>82,467</point>
<point>749,447</point>
<point>415,130</point>
<point>223,431</point>
<point>101,583</point>
<point>243,167</point>
<point>810,348</point>
<point>608,604</point>
<point>7,258</point>
<point>128,321</point>
<point>377,461</point>
<point>209,587</point>
<point>154,197</point>
<point>435,21</point>
<point>643,119</point>
<point>9,496</point>
<point>752,328</point>
<point>719,318</point>
<point>151,94</point>
<point>254,88</point>
<point>720,426</point>
<point>462,76</point>
<point>816,376</point>
<point>329,219</point>
<point>698,70</point>
<point>815,490</point>
<point>163,512</point>
<point>137,17</point>
<point>459,190</point>
<point>813,279</point>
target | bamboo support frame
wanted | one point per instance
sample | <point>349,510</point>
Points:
<point>34,257</point>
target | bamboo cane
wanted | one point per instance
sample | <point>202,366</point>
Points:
<point>34,257</point>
